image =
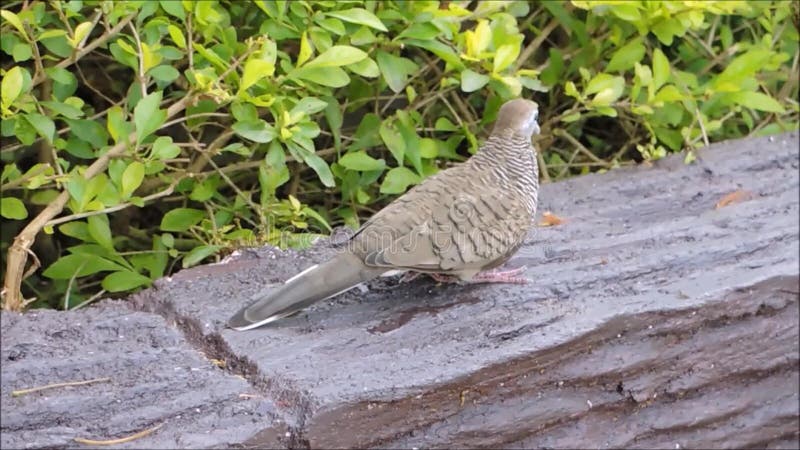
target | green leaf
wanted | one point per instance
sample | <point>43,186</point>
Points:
<point>393,140</point>
<point>63,109</point>
<point>23,131</point>
<point>327,76</point>
<point>336,56</point>
<point>666,29</point>
<point>78,230</point>
<point>21,52</point>
<point>424,31</point>
<point>100,231</point>
<point>49,34</point>
<point>365,136</point>
<point>335,26</point>
<point>198,254</point>
<point>132,178</point>
<point>176,34</point>
<point>411,139</point>
<point>205,190</point>
<point>164,73</point>
<point>361,161</point>
<point>366,68</point>
<point>320,167</point>
<point>533,84</point>
<point>81,31</point>
<point>660,68</point>
<point>271,176</point>
<point>627,56</point>
<point>606,87</point>
<point>505,56</point>
<point>757,100</point>
<point>13,208</point>
<point>13,19</point>
<point>428,148</point>
<point>79,265</point>
<point>333,114</point>
<point>308,106</point>
<point>181,219</point>
<point>124,280</point>
<point>255,130</point>
<point>89,131</point>
<point>163,148</point>
<point>742,67</point>
<point>668,93</point>
<point>395,70</point>
<point>626,11</point>
<point>43,125</point>
<point>11,85</point>
<point>439,49</point>
<point>359,16</point>
<point>306,50</point>
<point>173,8</point>
<point>397,180</point>
<point>362,37</point>
<point>147,116</point>
<point>254,71</point>
<point>115,123</point>
<point>472,81</point>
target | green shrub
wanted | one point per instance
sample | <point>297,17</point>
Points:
<point>137,135</point>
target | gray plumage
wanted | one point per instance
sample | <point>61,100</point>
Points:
<point>464,220</point>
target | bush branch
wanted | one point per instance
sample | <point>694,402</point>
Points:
<point>18,252</point>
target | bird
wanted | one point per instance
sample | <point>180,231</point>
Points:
<point>456,225</point>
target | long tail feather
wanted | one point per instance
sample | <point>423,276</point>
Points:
<point>316,283</point>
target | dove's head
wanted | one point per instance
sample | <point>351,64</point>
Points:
<point>518,116</point>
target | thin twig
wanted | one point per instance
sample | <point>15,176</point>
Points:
<point>256,208</point>
<point>57,385</point>
<point>110,209</point>
<point>25,177</point>
<point>535,44</point>
<point>15,147</point>
<point>141,76</point>
<point>71,281</point>
<point>18,251</point>
<point>543,165</point>
<point>92,88</point>
<point>86,50</point>
<point>89,300</point>
<point>702,126</point>
<point>561,133</point>
<point>132,437</point>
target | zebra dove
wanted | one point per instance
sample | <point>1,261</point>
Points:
<point>457,224</point>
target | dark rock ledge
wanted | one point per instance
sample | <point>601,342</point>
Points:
<point>655,320</point>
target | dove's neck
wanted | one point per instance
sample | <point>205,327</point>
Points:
<point>511,159</point>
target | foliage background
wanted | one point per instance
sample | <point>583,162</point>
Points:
<point>139,137</point>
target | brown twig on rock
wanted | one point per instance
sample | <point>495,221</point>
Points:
<point>21,392</point>
<point>132,437</point>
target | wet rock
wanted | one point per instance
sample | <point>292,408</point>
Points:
<point>655,319</point>
<point>146,375</point>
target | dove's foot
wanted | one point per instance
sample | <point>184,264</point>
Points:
<point>492,276</point>
<point>409,276</point>
<point>444,278</point>
<point>505,276</point>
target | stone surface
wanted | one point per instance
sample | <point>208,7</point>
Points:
<point>654,319</point>
<point>154,378</point>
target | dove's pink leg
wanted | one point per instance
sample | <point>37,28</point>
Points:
<point>505,276</point>
<point>410,275</point>
<point>492,276</point>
